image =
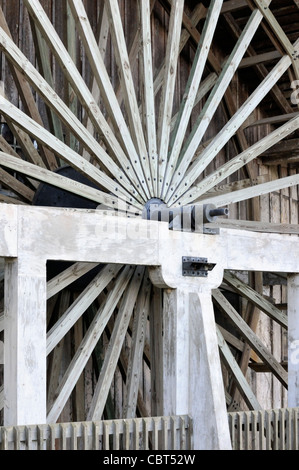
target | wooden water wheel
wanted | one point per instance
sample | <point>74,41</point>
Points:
<point>131,101</point>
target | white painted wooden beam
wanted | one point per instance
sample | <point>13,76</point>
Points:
<point>98,238</point>
<point>293,339</point>
<point>188,315</point>
<point>25,341</point>
<point>8,230</point>
<point>192,378</point>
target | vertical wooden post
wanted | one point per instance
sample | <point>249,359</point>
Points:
<point>25,341</point>
<point>293,340</point>
<point>192,378</point>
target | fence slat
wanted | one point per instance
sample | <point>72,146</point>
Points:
<point>167,433</point>
<point>265,429</point>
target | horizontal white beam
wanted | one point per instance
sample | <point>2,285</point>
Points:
<point>92,236</point>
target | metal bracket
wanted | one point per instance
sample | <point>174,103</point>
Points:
<point>196,267</point>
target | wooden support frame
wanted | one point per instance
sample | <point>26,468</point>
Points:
<point>165,271</point>
<point>132,169</point>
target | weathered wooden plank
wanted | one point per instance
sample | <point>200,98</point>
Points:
<point>259,58</point>
<point>205,86</point>
<point>286,147</point>
<point>115,345</point>
<point>254,191</point>
<point>256,344</point>
<point>10,200</point>
<point>230,128</point>
<point>191,91</point>
<point>71,46</point>
<point>263,6</point>
<point>256,226</point>
<point>78,393</point>
<point>170,70</point>
<point>124,363</point>
<point>251,122</point>
<point>78,84</point>
<point>55,364</point>
<point>102,78</point>
<point>101,35</point>
<point>88,344</point>
<point>234,369</point>
<point>261,69</point>
<point>148,92</point>
<point>61,109</point>
<point>27,98</point>
<point>69,275</point>
<point>240,160</point>
<point>136,352</point>
<point>66,154</point>
<point>235,342</point>
<point>90,293</point>
<point>26,144</point>
<point>215,97</point>
<point>156,353</point>
<point>283,153</point>
<point>130,99</point>
<point>197,14</point>
<point>41,174</point>
<point>17,186</point>
<point>256,298</point>
<point>24,354</point>
<point>233,186</point>
<point>233,5</point>
<point>42,54</point>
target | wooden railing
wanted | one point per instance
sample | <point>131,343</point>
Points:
<point>265,429</point>
<point>160,433</point>
<point>249,430</point>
